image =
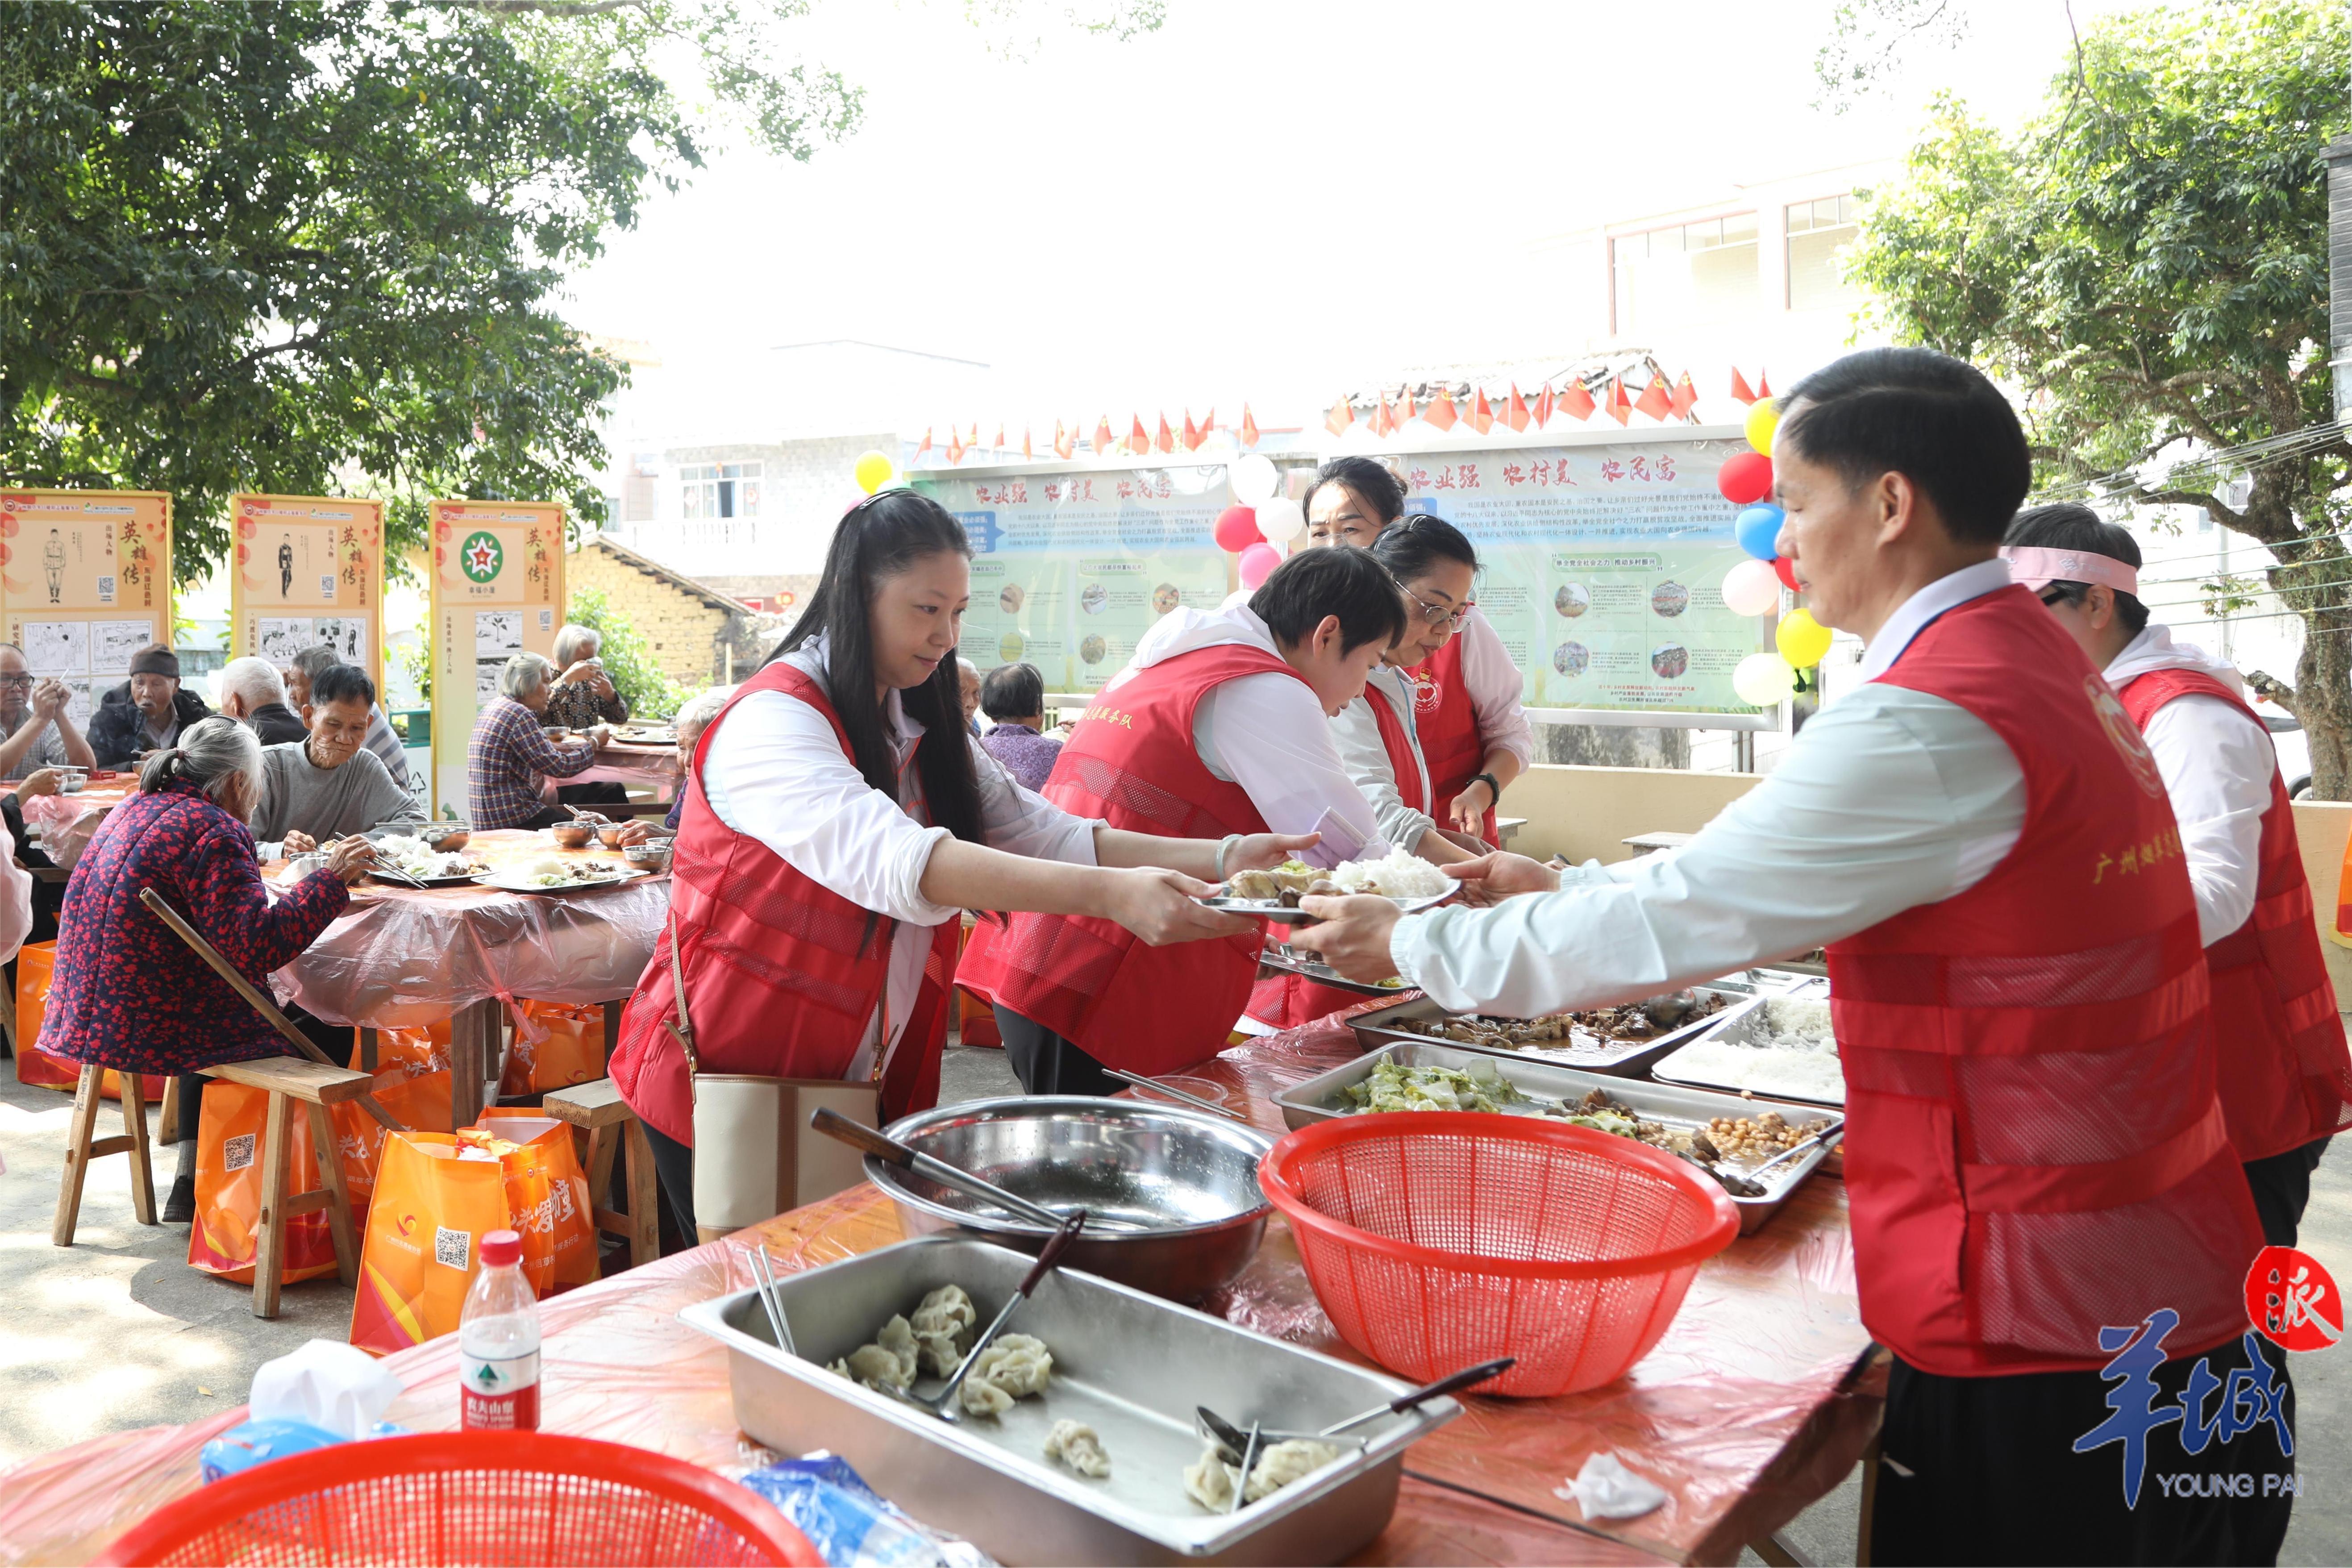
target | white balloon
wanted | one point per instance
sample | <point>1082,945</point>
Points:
<point>1764,679</point>
<point>1751,588</point>
<point>1253,478</point>
<point>1281,519</point>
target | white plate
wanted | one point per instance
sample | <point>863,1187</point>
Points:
<point>506,883</point>
<point>1283,914</point>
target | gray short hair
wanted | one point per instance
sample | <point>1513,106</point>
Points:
<point>255,679</point>
<point>314,662</point>
<point>525,672</point>
<point>570,641</point>
<point>700,710</point>
<point>215,754</point>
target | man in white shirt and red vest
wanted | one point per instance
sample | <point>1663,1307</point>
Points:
<point>1220,726</point>
<point>2050,1229</point>
<point>2285,1077</point>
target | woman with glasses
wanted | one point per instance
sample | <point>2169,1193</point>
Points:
<point>1468,694</point>
<point>1435,567</point>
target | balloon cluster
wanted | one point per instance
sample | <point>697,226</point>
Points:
<point>1258,519</point>
<point>1753,587</point>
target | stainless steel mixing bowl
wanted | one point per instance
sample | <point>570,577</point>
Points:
<point>1175,1190</point>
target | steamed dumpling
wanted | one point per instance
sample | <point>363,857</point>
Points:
<point>1017,1363</point>
<point>943,1329</point>
<point>1285,1463</point>
<point>1210,1481</point>
<point>983,1397</point>
<point>1075,1444</point>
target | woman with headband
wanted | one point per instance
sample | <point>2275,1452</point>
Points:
<point>2285,1078</point>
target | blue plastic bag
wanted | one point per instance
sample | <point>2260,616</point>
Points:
<point>252,1443</point>
<point>850,1525</point>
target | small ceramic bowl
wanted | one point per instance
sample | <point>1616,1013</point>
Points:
<point>443,837</point>
<point>609,835</point>
<point>573,835</point>
<point>651,855</point>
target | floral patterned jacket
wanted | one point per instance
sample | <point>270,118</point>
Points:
<point>128,992</point>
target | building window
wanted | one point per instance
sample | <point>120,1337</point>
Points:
<point>1819,233</point>
<point>1692,274</point>
<point>719,490</point>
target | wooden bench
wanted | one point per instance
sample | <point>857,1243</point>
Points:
<point>286,1079</point>
<point>602,1121</point>
<point>82,1147</point>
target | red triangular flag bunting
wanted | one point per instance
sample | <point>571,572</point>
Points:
<point>955,445</point>
<point>1411,412</point>
<point>1138,440</point>
<point>1739,387</point>
<point>1026,455</point>
<point>922,448</point>
<point>1515,413</point>
<point>1104,439</point>
<point>1249,428</point>
<point>1482,416</point>
<point>1543,406</point>
<point>1763,384</point>
<point>1576,401</point>
<point>998,443</point>
<point>1657,398</point>
<point>1384,422</point>
<point>1342,415</point>
<point>1686,397</point>
<point>1167,436</point>
<point>1192,433</point>
<point>1441,413</point>
<point>1618,407</point>
<point>1065,443</point>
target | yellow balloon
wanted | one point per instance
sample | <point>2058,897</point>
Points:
<point>1802,639</point>
<point>873,471</point>
<point>1763,419</point>
<point>1763,679</point>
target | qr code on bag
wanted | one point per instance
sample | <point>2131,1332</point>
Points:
<point>452,1249</point>
<point>237,1154</point>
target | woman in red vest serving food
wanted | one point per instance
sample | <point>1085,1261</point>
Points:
<point>2286,1079</point>
<point>838,820</point>
<point>1220,725</point>
<point>2042,1192</point>
<point>1471,721</point>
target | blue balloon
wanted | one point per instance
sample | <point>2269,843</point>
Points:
<point>1759,531</point>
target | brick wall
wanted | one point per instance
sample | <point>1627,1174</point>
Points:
<point>687,636</point>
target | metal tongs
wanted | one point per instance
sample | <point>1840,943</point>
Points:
<point>1233,1441</point>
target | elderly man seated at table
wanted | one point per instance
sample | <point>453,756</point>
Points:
<point>382,739</point>
<point>582,697</point>
<point>510,754</point>
<point>146,712</point>
<point>128,994</point>
<point>327,784</point>
<point>33,717</point>
<point>253,693</point>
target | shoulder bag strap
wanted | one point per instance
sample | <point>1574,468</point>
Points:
<point>682,1030</point>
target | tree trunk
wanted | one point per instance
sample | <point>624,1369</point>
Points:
<point>2323,699</point>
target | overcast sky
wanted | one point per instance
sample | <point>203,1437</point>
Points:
<point>1264,199</point>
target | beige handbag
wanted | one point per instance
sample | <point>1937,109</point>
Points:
<point>755,1156</point>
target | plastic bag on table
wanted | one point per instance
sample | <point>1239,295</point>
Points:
<point>225,1240</point>
<point>555,1046</point>
<point>37,1067</point>
<point>850,1525</point>
<point>434,1198</point>
<point>547,1196</point>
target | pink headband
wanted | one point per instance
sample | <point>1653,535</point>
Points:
<point>2035,569</point>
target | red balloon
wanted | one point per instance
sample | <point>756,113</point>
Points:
<point>1786,570</point>
<point>1236,530</point>
<point>1746,478</point>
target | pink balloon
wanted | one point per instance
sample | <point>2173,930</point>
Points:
<point>1258,562</point>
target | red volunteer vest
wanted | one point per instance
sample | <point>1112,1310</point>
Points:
<point>1130,763</point>
<point>2284,1073</point>
<point>782,974</point>
<point>1286,1001</point>
<point>2034,1148</point>
<point>1448,726</point>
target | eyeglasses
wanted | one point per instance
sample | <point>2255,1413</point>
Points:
<point>18,680</point>
<point>1438,615</point>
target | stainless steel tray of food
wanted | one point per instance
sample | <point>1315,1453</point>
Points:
<point>1741,1057</point>
<point>1128,1364</point>
<point>1584,1050</point>
<point>1280,959</point>
<point>1680,1111</point>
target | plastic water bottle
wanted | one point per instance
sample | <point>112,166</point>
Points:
<point>497,1342</point>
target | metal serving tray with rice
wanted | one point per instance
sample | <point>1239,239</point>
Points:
<point>1129,1365</point>
<point>1677,1017</point>
<point>1679,1110</point>
<point>1784,1048</point>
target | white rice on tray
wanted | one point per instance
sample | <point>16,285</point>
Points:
<point>1784,1047</point>
<point>1400,876</point>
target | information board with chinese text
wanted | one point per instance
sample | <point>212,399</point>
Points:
<point>497,590</point>
<point>85,583</point>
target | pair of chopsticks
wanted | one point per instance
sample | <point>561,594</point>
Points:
<point>1193,1100</point>
<point>378,869</point>
<point>763,1275</point>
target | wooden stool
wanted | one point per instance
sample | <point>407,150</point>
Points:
<point>597,1110</point>
<point>286,1079</point>
<point>82,1148</point>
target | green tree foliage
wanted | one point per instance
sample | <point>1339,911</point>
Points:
<point>628,661</point>
<point>2147,261</point>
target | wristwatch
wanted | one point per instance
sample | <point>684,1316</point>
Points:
<point>1491,782</point>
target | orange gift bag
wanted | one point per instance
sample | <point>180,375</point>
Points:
<point>225,1240</point>
<point>414,1052</point>
<point>421,1103</point>
<point>555,1046</point>
<point>547,1196</point>
<point>37,1067</point>
<point>434,1198</point>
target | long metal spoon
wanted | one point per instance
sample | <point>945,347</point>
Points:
<point>1225,1433</point>
<point>1834,1127</point>
<point>833,1124</point>
<point>943,1404</point>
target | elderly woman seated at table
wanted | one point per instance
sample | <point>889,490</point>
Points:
<point>126,992</point>
<point>510,754</point>
<point>580,698</point>
<point>328,783</point>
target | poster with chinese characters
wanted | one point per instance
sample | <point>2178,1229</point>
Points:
<point>85,582</point>
<point>1603,567</point>
<point>498,590</point>
<point>308,570</point>
<point>1071,568</point>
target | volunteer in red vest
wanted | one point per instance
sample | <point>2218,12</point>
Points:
<point>2040,1185</point>
<point>1436,569</point>
<point>2287,1080</point>
<point>1467,693</point>
<point>838,820</point>
<point>1220,725</point>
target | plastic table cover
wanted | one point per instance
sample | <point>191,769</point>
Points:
<point>401,957</point>
<point>1756,1403</point>
<point>655,767</point>
<point>68,822</point>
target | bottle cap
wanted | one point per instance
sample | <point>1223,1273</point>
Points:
<point>501,1248</point>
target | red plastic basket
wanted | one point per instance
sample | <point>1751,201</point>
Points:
<point>488,1498</point>
<point>1438,1239</point>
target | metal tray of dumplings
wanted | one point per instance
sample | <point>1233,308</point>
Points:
<point>1130,1366</point>
<point>1320,1099</point>
<point>1619,1059</point>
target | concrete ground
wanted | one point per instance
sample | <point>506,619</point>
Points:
<point>118,1332</point>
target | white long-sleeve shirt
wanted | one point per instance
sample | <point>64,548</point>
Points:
<point>1268,733</point>
<point>1888,799</point>
<point>2216,765</point>
<point>775,771</point>
<point>1356,734</point>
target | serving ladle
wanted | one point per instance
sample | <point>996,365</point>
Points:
<point>943,1404</point>
<point>1236,1441</point>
